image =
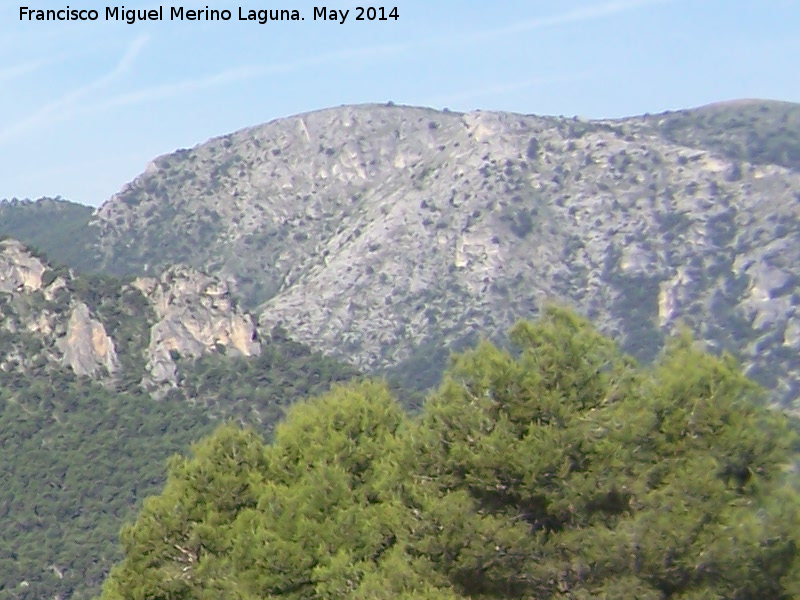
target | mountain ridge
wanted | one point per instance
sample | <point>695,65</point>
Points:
<point>376,231</point>
<point>370,231</point>
<point>384,236</point>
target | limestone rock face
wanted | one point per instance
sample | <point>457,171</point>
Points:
<point>371,232</point>
<point>87,348</point>
<point>52,318</point>
<point>20,271</point>
<point>194,315</point>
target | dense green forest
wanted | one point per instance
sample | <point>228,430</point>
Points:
<point>559,470</point>
<point>76,460</point>
<point>54,226</point>
<point>78,457</point>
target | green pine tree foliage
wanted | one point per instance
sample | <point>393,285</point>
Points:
<point>179,545</point>
<point>314,514</point>
<point>508,442</point>
<point>588,477</point>
<point>562,470</point>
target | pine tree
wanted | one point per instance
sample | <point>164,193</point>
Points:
<point>560,470</point>
<point>566,471</point>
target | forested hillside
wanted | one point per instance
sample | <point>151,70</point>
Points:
<point>78,457</point>
<point>761,133</point>
<point>55,227</point>
<point>561,471</point>
<point>77,460</point>
<point>101,380</point>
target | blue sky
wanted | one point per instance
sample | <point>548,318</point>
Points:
<point>84,106</point>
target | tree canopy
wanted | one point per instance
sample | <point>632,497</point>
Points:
<point>559,470</point>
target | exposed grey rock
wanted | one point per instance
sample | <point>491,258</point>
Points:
<point>47,322</point>
<point>372,231</point>
<point>195,315</point>
<point>87,348</point>
<point>20,271</point>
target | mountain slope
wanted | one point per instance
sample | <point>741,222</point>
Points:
<point>752,131</point>
<point>380,233</point>
<point>101,380</point>
<point>55,227</point>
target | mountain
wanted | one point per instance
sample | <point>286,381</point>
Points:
<point>383,234</point>
<point>231,279</point>
<point>761,133</point>
<point>103,379</point>
<point>53,226</point>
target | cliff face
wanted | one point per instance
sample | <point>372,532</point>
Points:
<point>195,315</point>
<point>52,318</point>
<point>378,233</point>
<point>86,347</point>
<point>19,270</point>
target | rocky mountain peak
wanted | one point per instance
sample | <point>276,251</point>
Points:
<point>374,231</point>
<point>379,232</point>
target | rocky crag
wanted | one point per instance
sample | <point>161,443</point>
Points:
<point>110,330</point>
<point>377,233</point>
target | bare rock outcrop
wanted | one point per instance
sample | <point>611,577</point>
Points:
<point>372,231</point>
<point>53,317</point>
<point>20,271</point>
<point>86,347</point>
<point>194,315</point>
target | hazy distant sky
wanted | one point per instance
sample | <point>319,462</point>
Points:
<point>84,106</point>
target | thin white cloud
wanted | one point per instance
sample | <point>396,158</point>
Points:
<point>61,106</point>
<point>21,69</point>
<point>243,73</point>
<point>232,75</point>
<point>577,15</point>
<point>178,88</point>
<point>67,106</point>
